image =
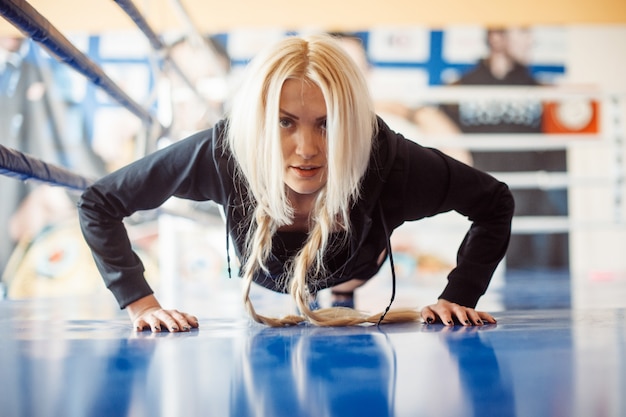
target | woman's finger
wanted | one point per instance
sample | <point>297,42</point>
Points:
<point>428,315</point>
<point>486,317</point>
<point>461,314</point>
<point>445,316</point>
<point>173,320</point>
<point>154,322</point>
<point>140,325</point>
<point>192,320</point>
<point>182,321</point>
<point>474,317</point>
<point>444,312</point>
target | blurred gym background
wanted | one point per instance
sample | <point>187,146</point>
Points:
<point>532,92</point>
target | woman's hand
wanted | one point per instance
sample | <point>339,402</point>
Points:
<point>147,312</point>
<point>447,312</point>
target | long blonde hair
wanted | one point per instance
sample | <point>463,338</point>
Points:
<point>254,140</point>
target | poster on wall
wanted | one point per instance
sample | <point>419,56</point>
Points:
<point>480,56</point>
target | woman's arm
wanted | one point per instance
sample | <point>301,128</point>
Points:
<point>187,169</point>
<point>437,184</point>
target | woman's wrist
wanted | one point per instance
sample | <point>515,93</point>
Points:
<point>139,307</point>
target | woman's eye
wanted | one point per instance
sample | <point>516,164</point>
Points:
<point>323,125</point>
<point>284,123</point>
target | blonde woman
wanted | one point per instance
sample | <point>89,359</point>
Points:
<point>312,183</point>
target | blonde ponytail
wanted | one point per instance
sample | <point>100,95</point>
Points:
<point>259,248</point>
<point>308,262</point>
<point>334,316</point>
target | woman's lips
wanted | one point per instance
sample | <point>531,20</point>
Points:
<point>306,172</point>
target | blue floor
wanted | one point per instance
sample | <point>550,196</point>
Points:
<point>66,358</point>
<point>539,288</point>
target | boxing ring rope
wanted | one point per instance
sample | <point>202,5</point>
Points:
<point>194,32</point>
<point>155,41</point>
<point>23,167</point>
<point>23,16</point>
<point>18,165</point>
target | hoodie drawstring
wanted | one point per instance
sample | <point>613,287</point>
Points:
<point>393,268</point>
<point>228,243</point>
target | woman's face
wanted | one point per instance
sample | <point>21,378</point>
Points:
<point>303,138</point>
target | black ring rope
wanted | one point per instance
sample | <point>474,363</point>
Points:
<point>24,167</point>
<point>157,44</point>
<point>23,16</point>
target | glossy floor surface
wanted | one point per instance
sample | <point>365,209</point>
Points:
<point>66,358</point>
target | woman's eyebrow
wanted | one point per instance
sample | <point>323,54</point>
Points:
<point>293,116</point>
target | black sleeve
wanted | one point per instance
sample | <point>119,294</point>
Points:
<point>188,169</point>
<point>436,183</point>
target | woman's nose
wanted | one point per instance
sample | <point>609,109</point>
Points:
<point>307,143</point>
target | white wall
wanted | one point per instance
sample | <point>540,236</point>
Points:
<point>597,56</point>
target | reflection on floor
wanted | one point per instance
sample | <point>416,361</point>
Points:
<point>79,357</point>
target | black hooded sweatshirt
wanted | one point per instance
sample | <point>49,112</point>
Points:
<point>404,182</point>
